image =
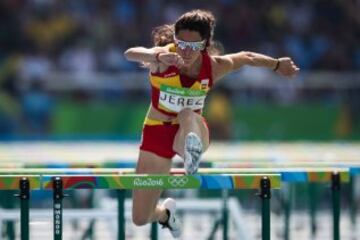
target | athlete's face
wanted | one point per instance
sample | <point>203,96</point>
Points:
<point>189,45</point>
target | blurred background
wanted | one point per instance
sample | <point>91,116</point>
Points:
<point>63,74</point>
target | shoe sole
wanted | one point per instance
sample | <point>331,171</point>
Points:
<point>193,150</point>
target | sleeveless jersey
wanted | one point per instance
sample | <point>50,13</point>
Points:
<point>171,92</point>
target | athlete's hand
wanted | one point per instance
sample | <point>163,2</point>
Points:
<point>171,59</point>
<point>287,67</point>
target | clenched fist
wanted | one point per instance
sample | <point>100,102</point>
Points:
<point>171,59</point>
<point>287,67</point>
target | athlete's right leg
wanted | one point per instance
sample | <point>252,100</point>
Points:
<point>145,208</point>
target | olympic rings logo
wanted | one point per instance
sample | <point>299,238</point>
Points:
<point>178,181</point>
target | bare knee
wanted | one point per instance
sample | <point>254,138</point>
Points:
<point>139,219</point>
<point>141,213</point>
<point>186,115</point>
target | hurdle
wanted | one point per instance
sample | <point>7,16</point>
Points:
<point>290,172</point>
<point>321,172</point>
<point>333,175</point>
<point>58,183</point>
<point>323,175</point>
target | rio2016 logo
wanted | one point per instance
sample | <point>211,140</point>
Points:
<point>148,182</point>
<point>178,181</point>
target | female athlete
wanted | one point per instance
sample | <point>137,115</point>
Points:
<point>182,71</point>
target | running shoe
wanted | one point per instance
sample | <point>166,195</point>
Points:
<point>172,223</point>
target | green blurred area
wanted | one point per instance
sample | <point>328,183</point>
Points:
<point>98,118</point>
<point>268,121</point>
<point>262,121</point>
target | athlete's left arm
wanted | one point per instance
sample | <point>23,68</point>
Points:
<point>223,65</point>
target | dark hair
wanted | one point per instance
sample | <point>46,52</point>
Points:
<point>198,20</point>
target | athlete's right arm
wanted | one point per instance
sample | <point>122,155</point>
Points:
<point>144,55</point>
<point>154,56</point>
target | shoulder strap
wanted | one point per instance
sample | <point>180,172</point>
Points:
<point>206,69</point>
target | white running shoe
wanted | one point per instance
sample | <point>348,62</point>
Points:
<point>192,151</point>
<point>173,223</point>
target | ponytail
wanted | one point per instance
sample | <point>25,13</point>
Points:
<point>163,35</point>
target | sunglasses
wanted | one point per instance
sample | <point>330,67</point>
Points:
<point>195,46</point>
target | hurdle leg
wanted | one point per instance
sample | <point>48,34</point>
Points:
<point>313,189</point>
<point>265,195</point>
<point>10,230</point>
<point>335,186</point>
<point>214,229</point>
<point>288,201</point>
<point>8,202</point>
<point>1,228</point>
<point>121,214</point>
<point>154,231</point>
<point>58,196</point>
<point>24,196</point>
<point>92,223</point>
<point>225,213</point>
<point>89,232</point>
<point>352,202</point>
